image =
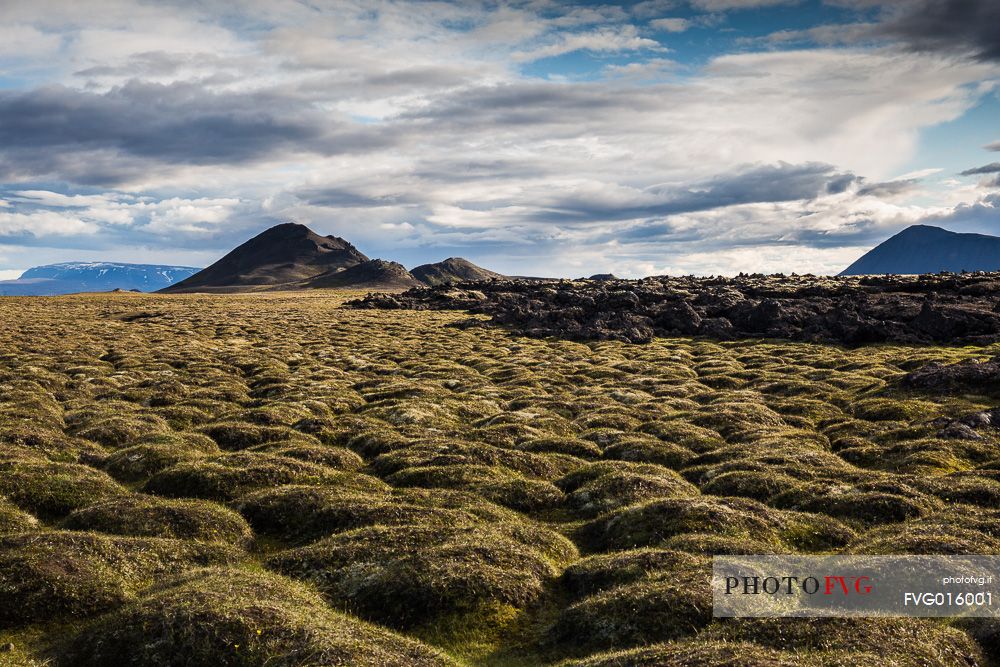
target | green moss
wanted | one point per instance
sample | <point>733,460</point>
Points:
<point>148,516</point>
<point>239,618</point>
<point>863,503</point>
<point>51,490</point>
<point>693,653</point>
<point>597,573</point>
<point>599,487</point>
<point>634,614</point>
<point>843,641</point>
<point>756,484</point>
<point>408,575</point>
<point>231,475</point>
<point>120,430</point>
<point>14,520</point>
<point>649,450</point>
<point>338,458</point>
<point>57,575</point>
<point>497,484</point>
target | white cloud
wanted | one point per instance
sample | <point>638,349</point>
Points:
<point>43,223</point>
<point>19,42</point>
<point>671,24</point>
<point>605,40</point>
<point>189,216</point>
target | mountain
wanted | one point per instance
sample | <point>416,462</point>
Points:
<point>925,249</point>
<point>373,274</point>
<point>71,277</point>
<point>286,254</point>
<point>452,270</point>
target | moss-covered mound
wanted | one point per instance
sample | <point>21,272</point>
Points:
<point>231,475</point>
<point>853,641</point>
<point>149,516</point>
<point>596,573</point>
<point>53,574</point>
<point>654,522</point>
<point>598,487</point>
<point>413,574</point>
<point>696,653</point>
<point>14,520</point>
<point>500,485</point>
<point>51,490</point>
<point>305,513</point>
<point>239,618</point>
<point>665,605</point>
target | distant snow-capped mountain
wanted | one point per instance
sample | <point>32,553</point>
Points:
<point>71,277</point>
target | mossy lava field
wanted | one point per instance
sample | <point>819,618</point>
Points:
<point>277,480</point>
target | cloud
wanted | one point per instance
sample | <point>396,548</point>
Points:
<point>889,188</point>
<point>995,146</point>
<point>727,5</point>
<point>956,26</point>
<point>43,223</point>
<point>104,138</point>
<point>187,216</point>
<point>451,128</point>
<point>671,24</point>
<point>991,168</point>
<point>962,27</point>
<point>604,40</point>
<point>23,41</point>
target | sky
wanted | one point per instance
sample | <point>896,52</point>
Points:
<point>540,137</point>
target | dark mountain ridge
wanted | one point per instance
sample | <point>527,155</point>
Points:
<point>373,274</point>
<point>924,249</point>
<point>452,270</point>
<point>282,255</point>
<point>291,256</point>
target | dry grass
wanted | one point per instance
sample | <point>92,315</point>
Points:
<point>495,499</point>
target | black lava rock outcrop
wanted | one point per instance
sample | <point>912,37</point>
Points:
<point>944,308</point>
<point>963,376</point>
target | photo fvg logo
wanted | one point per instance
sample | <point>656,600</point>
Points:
<point>831,584</point>
<point>769,586</point>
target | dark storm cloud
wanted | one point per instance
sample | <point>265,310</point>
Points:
<point>535,103</point>
<point>957,26</point>
<point>346,198</point>
<point>889,188</point>
<point>105,138</point>
<point>991,168</point>
<point>755,184</point>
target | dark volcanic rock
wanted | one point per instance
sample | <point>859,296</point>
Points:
<point>966,426</point>
<point>936,309</point>
<point>966,375</point>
